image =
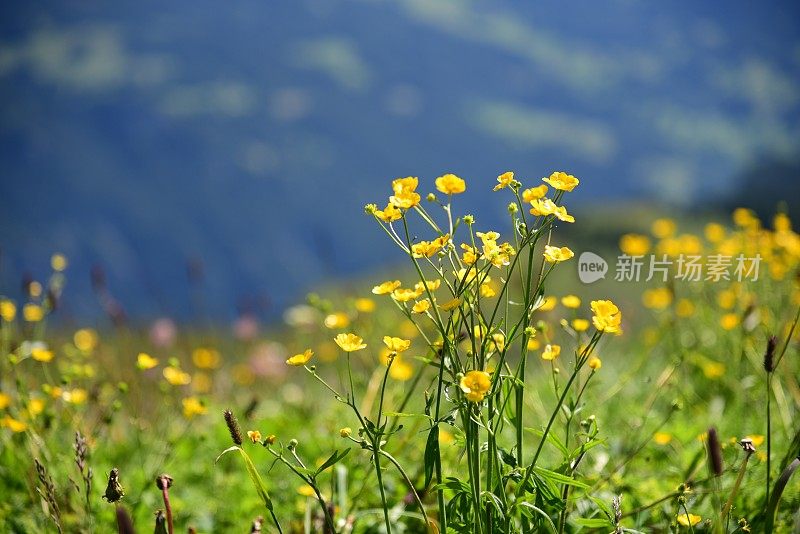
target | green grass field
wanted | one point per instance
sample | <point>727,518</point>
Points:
<point>502,395</point>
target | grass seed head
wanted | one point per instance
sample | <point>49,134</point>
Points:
<point>233,427</point>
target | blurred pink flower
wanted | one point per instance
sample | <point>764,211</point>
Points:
<point>268,360</point>
<point>246,327</point>
<point>163,332</point>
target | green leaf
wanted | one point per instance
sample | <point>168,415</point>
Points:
<point>332,459</point>
<point>548,521</point>
<point>431,454</point>
<point>558,478</point>
<point>593,522</point>
<point>261,489</point>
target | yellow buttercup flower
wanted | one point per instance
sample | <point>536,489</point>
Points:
<point>504,180</point>
<point>337,320</point>
<point>688,519</point>
<point>571,301</point>
<point>451,304</point>
<point>350,342</point>
<point>389,214</point>
<point>432,285</point>
<point>396,344</point>
<point>663,228</point>
<point>58,262</point>
<point>429,248</point>
<point>634,244</point>
<point>757,439</point>
<point>662,438</point>
<point>300,359</point>
<point>487,291</point>
<point>5,401</point>
<point>35,407</point>
<point>41,355</point>
<point>562,181</point>
<point>556,254</point>
<point>607,317</point>
<point>475,385</point>
<point>714,232</point>
<point>657,298</point>
<point>386,288</point>
<point>684,308</point>
<point>33,313</point>
<point>534,344</point>
<point>470,254</point>
<point>401,370</point>
<point>421,306</point>
<point>13,424</point>
<point>75,396</point>
<point>580,325</point>
<point>254,436</point>
<point>145,361</point>
<point>405,195</point>
<point>551,352</point>
<point>206,358</point>
<point>534,193</point>
<point>451,184</point>
<point>192,407</point>
<point>404,295</point>
<point>345,431</point>
<point>547,304</point>
<point>364,305</point>
<point>176,377</point>
<point>594,363</point>
<point>8,310</point>
<point>86,339</point>
<point>729,321</point>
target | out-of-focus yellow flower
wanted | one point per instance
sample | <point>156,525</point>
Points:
<point>551,352</point>
<point>350,342</point>
<point>386,288</point>
<point>534,344</point>
<point>745,218</point>
<point>451,304</point>
<point>712,369</point>
<point>421,306</point>
<point>580,325</point>
<point>306,491</point>
<point>662,228</point>
<point>389,214</point>
<point>13,425</point>
<point>714,232</point>
<point>300,359</point>
<point>86,339</point>
<point>451,184</point>
<point>684,308</point>
<point>192,407</point>
<point>405,195</point>
<point>206,358</point>
<point>5,401</point>
<point>504,180</point>
<point>201,382</point>
<point>729,321</point>
<point>8,310</point>
<point>401,370</point>
<point>496,342</point>
<point>41,355</point>
<point>35,289</point>
<point>33,313</point>
<point>243,375</point>
<point>58,262</point>
<point>781,222</point>
<point>145,361</point>
<point>254,435</point>
<point>396,344</point>
<point>562,181</point>
<point>364,305</point>
<point>689,519</point>
<point>726,299</point>
<point>548,304</point>
<point>337,321</point>
<point>657,298</point>
<point>571,301</point>
<point>607,317</point>
<point>487,291</point>
<point>475,385</point>
<point>662,438</point>
<point>594,363</point>
<point>534,193</point>
<point>634,244</point>
<point>176,377</point>
<point>556,254</point>
<point>75,396</point>
<point>35,406</point>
